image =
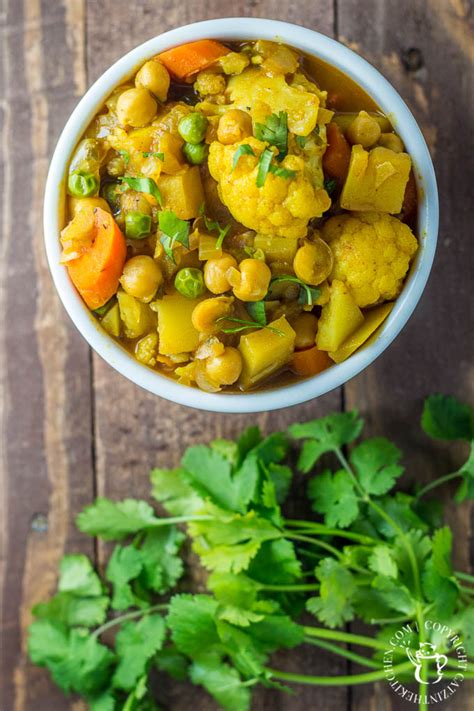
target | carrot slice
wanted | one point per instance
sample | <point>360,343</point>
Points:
<point>190,58</point>
<point>96,273</point>
<point>310,361</point>
<point>337,156</point>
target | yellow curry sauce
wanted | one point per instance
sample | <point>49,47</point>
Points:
<point>239,214</point>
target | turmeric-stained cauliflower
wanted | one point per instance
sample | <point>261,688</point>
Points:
<point>262,95</point>
<point>282,206</point>
<point>372,253</point>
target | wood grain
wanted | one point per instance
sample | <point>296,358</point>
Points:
<point>420,52</point>
<point>46,450</point>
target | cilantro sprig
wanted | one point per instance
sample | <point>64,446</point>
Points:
<point>370,553</point>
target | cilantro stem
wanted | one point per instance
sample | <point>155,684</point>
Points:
<point>437,482</point>
<point>314,542</point>
<point>128,616</point>
<point>349,637</point>
<point>464,576</point>
<point>324,530</point>
<point>343,652</point>
<point>178,519</point>
<point>347,680</point>
<point>465,589</point>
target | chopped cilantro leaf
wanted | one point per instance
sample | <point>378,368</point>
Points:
<point>144,185</point>
<point>174,230</point>
<point>242,150</point>
<point>275,132</point>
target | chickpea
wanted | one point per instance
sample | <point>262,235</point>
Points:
<point>206,314</point>
<point>251,280</point>
<point>136,107</point>
<point>305,326</point>
<point>141,278</point>
<point>225,369</point>
<point>215,271</point>
<point>363,130</point>
<point>391,141</point>
<point>233,126</point>
<point>154,77</point>
<point>313,262</point>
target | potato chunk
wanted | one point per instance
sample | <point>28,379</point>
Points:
<point>175,329</point>
<point>182,193</point>
<point>376,180</point>
<point>264,352</point>
<point>373,318</point>
<point>339,318</point>
<point>137,317</point>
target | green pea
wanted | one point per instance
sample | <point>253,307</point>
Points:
<point>195,154</point>
<point>137,225</point>
<point>190,282</point>
<point>82,184</point>
<point>192,128</point>
<point>111,192</point>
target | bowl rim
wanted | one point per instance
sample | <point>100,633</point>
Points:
<point>335,54</point>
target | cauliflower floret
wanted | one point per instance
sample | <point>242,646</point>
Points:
<point>209,83</point>
<point>372,253</point>
<point>262,95</point>
<point>146,349</point>
<point>234,62</point>
<point>282,206</point>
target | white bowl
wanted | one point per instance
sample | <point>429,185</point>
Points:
<point>388,100</point>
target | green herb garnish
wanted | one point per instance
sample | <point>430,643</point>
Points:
<point>282,172</point>
<point>275,132</point>
<point>256,310</point>
<point>144,185</point>
<point>126,157</point>
<point>214,226</point>
<point>243,150</point>
<point>264,166</point>
<point>308,294</point>
<point>174,230</point>
<point>153,154</point>
<point>244,325</point>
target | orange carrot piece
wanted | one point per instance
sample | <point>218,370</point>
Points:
<point>310,361</point>
<point>338,153</point>
<point>193,57</point>
<point>96,273</point>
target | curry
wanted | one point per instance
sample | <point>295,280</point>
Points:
<point>238,213</point>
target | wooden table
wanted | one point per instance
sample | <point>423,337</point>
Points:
<point>72,428</point>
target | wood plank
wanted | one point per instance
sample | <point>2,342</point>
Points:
<point>434,352</point>
<point>136,431</point>
<point>46,462</point>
